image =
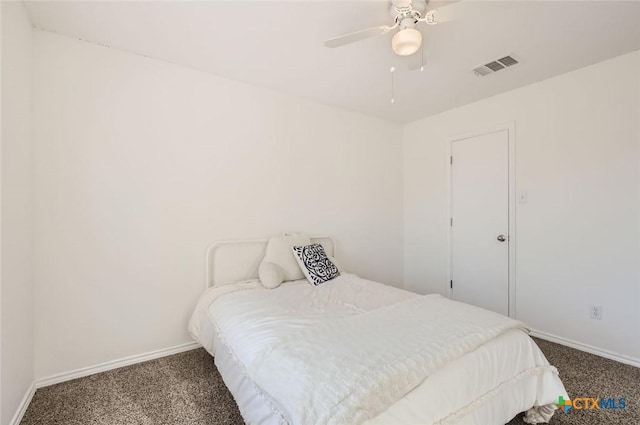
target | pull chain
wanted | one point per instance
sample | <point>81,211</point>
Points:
<point>392,71</point>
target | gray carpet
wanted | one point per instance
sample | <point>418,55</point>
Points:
<point>186,389</point>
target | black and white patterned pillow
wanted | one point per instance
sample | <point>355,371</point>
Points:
<point>315,264</point>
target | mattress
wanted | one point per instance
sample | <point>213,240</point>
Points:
<point>489,385</point>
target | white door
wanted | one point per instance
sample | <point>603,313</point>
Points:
<point>480,221</point>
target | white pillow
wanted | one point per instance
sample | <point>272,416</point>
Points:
<point>280,254</point>
<point>271,275</point>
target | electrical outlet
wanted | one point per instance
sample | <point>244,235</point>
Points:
<point>595,312</point>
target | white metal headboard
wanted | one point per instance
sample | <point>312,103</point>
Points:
<point>235,261</point>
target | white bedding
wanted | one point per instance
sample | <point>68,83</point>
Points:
<point>239,322</point>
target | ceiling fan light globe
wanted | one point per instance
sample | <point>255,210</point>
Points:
<point>406,42</point>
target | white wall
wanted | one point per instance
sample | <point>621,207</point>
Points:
<point>16,290</point>
<point>141,164</point>
<point>578,237</point>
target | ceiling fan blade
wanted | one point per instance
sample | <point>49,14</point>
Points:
<point>358,35</point>
<point>448,13</point>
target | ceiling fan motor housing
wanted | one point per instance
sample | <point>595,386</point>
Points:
<point>408,22</point>
<point>404,8</point>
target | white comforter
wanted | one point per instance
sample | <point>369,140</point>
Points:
<point>336,354</point>
<point>347,370</point>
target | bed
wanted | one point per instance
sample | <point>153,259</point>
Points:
<point>353,351</point>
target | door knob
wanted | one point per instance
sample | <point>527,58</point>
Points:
<point>501,238</point>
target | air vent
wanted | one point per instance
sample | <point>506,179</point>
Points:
<point>507,61</point>
<point>495,66</point>
<point>481,71</point>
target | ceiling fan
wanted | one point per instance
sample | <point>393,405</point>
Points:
<point>407,14</point>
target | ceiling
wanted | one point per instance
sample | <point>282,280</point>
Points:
<point>279,45</point>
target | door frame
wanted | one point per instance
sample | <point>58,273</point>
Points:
<point>510,127</point>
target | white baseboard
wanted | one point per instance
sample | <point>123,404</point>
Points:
<point>23,405</point>
<point>114,364</point>
<point>587,348</point>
